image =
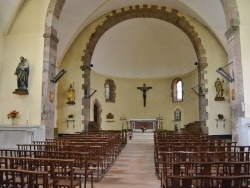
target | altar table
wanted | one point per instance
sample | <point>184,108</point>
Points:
<point>11,135</point>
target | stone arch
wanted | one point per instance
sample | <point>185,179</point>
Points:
<point>146,11</point>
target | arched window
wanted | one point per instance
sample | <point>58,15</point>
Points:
<point>107,91</point>
<point>109,88</point>
<point>177,90</point>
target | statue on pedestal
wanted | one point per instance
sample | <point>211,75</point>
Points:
<point>71,94</point>
<point>219,90</point>
<point>22,72</point>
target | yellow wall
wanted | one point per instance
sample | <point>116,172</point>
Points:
<point>1,54</point>
<point>25,38</point>
<point>1,76</point>
<point>72,62</point>
<point>129,100</point>
<point>216,57</point>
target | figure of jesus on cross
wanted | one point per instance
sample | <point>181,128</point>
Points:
<point>144,89</point>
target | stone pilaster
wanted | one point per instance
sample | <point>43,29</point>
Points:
<point>234,58</point>
<point>235,66</point>
<point>86,99</point>
<point>48,88</point>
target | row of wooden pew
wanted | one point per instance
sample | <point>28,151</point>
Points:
<point>197,160</point>
<point>65,160</point>
<point>60,172</point>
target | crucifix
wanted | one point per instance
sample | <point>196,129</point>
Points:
<point>144,89</point>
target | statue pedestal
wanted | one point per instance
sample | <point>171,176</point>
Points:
<point>21,92</point>
<point>10,135</point>
<point>219,98</point>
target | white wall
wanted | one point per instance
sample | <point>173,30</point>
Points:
<point>243,6</point>
<point>25,38</point>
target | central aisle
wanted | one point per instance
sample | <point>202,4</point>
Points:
<point>134,168</point>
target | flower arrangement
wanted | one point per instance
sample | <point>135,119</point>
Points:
<point>13,114</point>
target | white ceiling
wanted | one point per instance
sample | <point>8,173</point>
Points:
<point>144,48</point>
<point>138,48</point>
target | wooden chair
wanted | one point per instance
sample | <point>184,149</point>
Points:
<point>63,174</point>
<point>214,181</point>
<point>46,165</point>
<point>96,161</point>
<point>240,181</point>
<point>81,167</point>
<point>80,163</point>
<point>60,170</point>
<point>22,178</point>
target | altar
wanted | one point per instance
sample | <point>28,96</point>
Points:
<point>11,135</point>
<point>149,124</point>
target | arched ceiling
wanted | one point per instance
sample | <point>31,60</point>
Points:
<point>77,14</point>
<point>8,11</point>
<point>144,48</point>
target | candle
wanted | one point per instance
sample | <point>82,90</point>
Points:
<point>27,118</point>
<point>81,117</point>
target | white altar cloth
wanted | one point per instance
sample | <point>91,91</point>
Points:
<point>151,124</point>
<point>11,135</point>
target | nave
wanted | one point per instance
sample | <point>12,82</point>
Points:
<point>182,160</point>
<point>134,167</point>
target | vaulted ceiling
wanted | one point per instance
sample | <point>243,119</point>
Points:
<point>135,47</point>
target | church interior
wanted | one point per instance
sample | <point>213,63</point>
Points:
<point>141,68</point>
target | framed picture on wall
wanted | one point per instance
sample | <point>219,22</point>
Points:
<point>177,115</point>
<point>51,97</point>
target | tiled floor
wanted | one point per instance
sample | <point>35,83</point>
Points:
<point>134,168</point>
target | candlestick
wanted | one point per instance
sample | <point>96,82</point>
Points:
<point>27,118</point>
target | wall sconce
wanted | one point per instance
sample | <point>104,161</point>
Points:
<point>69,121</point>
<point>58,76</point>
<point>199,89</point>
<point>226,75</point>
<point>87,67</point>
<point>88,94</point>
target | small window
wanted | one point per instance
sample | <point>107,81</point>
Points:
<point>177,90</point>
<point>109,88</point>
<point>107,92</point>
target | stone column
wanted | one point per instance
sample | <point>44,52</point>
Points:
<point>48,88</point>
<point>86,87</point>
<point>236,87</point>
<point>203,102</point>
